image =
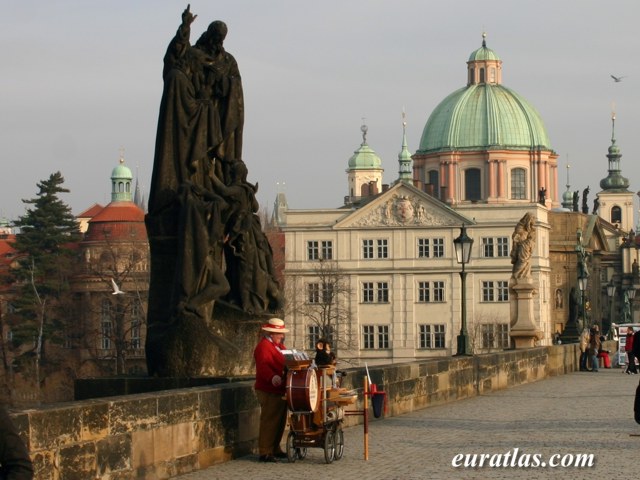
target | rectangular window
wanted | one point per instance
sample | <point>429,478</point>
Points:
<point>314,336</point>
<point>438,291</point>
<point>327,293</point>
<point>367,249</point>
<point>487,335</point>
<point>487,247</point>
<point>327,249</point>
<point>518,184</point>
<point>383,251</point>
<point>367,292</point>
<point>423,248</point>
<point>368,336</point>
<point>495,291</point>
<point>503,246</point>
<point>430,247</point>
<point>431,292</point>
<point>105,325</point>
<point>313,252</point>
<point>423,292</point>
<point>383,292</point>
<point>503,291</point>
<point>495,247</point>
<point>313,293</point>
<point>438,336</point>
<point>135,334</point>
<point>136,324</point>
<point>495,335</point>
<point>383,336</point>
<point>487,292</point>
<point>502,335</point>
<point>438,247</point>
<point>319,250</point>
<point>431,336</point>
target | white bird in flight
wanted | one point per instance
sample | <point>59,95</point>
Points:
<point>116,289</point>
<point>616,79</point>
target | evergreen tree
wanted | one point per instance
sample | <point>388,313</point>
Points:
<point>43,305</point>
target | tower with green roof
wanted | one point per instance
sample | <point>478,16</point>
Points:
<point>615,200</point>
<point>121,178</point>
<point>364,172</point>
<point>485,143</point>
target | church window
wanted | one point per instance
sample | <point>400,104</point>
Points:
<point>106,325</point>
<point>518,184</point>
<point>433,179</point>
<point>616,215</point>
<point>482,75</point>
<point>472,184</point>
<point>472,73</point>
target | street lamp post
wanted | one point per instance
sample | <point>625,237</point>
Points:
<point>582,283</point>
<point>631,293</point>
<point>611,293</point>
<point>462,246</point>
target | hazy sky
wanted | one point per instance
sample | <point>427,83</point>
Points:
<point>82,79</point>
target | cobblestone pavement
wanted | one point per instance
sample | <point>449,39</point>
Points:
<point>578,413</point>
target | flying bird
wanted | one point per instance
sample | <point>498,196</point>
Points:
<point>616,79</point>
<point>116,288</point>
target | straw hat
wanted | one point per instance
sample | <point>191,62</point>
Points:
<point>275,325</point>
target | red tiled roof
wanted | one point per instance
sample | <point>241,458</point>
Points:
<point>117,221</point>
<point>119,212</point>
<point>91,211</point>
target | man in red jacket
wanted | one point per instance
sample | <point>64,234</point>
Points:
<point>270,389</point>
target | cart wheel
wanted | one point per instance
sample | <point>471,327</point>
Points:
<point>301,452</point>
<point>329,447</point>
<point>291,449</point>
<point>339,443</point>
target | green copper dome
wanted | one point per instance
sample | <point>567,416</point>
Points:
<point>122,172</point>
<point>484,116</point>
<point>482,54</point>
<point>364,158</point>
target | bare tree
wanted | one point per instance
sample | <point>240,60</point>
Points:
<point>117,307</point>
<point>321,298</point>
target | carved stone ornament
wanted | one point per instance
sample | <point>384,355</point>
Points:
<point>403,210</point>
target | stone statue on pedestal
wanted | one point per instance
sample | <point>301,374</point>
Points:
<point>524,329</point>
<point>212,274</point>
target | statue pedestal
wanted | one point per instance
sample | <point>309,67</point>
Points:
<point>524,329</point>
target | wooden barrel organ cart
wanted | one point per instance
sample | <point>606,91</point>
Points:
<point>316,403</point>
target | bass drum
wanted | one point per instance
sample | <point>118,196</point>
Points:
<point>302,390</point>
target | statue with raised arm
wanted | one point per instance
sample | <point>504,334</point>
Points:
<point>523,241</point>
<point>199,139</point>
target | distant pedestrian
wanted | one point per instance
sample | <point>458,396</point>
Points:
<point>631,358</point>
<point>635,348</point>
<point>584,345</point>
<point>594,347</point>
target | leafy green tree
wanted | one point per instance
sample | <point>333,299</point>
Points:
<point>43,304</point>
